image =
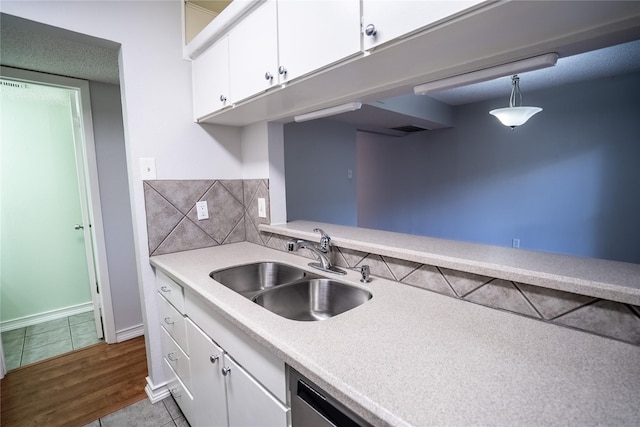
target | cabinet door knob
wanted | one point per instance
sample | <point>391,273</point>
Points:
<point>268,76</point>
<point>370,30</point>
<point>226,370</point>
<point>168,321</point>
<point>282,70</point>
<point>223,98</point>
<point>81,227</point>
<point>214,358</point>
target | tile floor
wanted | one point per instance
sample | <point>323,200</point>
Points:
<point>44,340</point>
<point>144,414</point>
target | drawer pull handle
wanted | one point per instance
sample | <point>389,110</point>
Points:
<point>214,358</point>
<point>226,370</point>
<point>168,321</point>
<point>165,289</point>
<point>172,356</point>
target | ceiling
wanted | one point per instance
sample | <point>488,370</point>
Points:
<point>216,6</point>
<point>38,47</point>
<point>29,45</point>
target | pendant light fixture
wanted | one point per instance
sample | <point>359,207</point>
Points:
<point>515,114</point>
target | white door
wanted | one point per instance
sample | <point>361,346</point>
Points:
<point>253,53</point>
<point>207,381</point>
<point>316,33</point>
<point>248,402</point>
<point>395,18</point>
<point>210,75</point>
<point>86,226</point>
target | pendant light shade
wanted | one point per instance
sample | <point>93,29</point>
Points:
<point>515,115</point>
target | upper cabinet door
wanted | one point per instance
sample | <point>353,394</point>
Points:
<point>210,79</point>
<point>253,52</point>
<point>385,20</point>
<point>316,33</point>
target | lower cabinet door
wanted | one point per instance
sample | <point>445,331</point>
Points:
<point>207,381</point>
<point>249,403</point>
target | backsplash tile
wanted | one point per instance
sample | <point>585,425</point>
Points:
<point>502,294</point>
<point>464,283</point>
<point>377,266</point>
<point>172,223</point>
<point>349,258</point>
<point>551,303</point>
<point>400,268</point>
<point>605,318</point>
<point>428,277</point>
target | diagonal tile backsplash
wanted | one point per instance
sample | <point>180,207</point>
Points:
<point>172,222</point>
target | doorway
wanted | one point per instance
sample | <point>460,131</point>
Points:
<point>53,267</point>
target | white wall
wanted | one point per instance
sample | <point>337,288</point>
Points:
<point>156,99</point>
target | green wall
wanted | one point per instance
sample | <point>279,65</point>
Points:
<point>43,262</point>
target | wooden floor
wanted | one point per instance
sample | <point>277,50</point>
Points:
<point>77,388</point>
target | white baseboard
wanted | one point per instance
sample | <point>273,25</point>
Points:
<point>47,316</point>
<point>127,334</point>
<point>156,392</point>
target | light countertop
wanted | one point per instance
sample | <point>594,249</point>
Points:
<point>414,357</point>
<point>610,280</point>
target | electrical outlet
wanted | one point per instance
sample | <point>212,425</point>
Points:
<point>202,209</point>
<point>262,208</point>
<point>515,243</point>
<point>349,173</point>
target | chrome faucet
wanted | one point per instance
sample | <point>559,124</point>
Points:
<point>322,250</point>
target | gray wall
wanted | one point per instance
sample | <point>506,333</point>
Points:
<point>565,182</point>
<point>116,209</point>
<point>318,155</point>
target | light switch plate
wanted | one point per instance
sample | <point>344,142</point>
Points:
<point>262,208</point>
<point>202,210</point>
<point>147,167</point>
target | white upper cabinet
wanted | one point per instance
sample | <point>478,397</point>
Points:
<point>210,79</point>
<point>385,20</point>
<point>253,53</point>
<point>315,33</point>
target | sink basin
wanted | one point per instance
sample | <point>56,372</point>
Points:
<point>312,299</point>
<point>250,279</point>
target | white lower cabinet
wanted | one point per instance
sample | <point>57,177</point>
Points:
<point>249,403</point>
<point>224,393</point>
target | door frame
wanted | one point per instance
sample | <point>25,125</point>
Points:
<point>95,232</point>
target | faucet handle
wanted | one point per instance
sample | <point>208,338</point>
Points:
<point>325,240</point>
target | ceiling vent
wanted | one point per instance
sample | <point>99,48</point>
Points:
<point>409,129</point>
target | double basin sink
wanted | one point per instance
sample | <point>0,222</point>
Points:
<point>291,292</point>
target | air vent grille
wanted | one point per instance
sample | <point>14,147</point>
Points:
<point>16,85</point>
<point>409,128</point>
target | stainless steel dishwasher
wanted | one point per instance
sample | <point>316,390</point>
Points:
<point>313,407</point>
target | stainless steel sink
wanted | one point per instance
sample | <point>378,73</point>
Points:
<point>312,299</point>
<point>250,279</point>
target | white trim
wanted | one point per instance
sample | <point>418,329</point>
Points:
<point>129,333</point>
<point>156,392</point>
<point>91,174</point>
<point>34,319</point>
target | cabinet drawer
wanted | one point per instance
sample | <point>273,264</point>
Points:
<point>255,358</point>
<point>179,392</point>
<point>173,322</point>
<point>170,290</point>
<point>176,358</point>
